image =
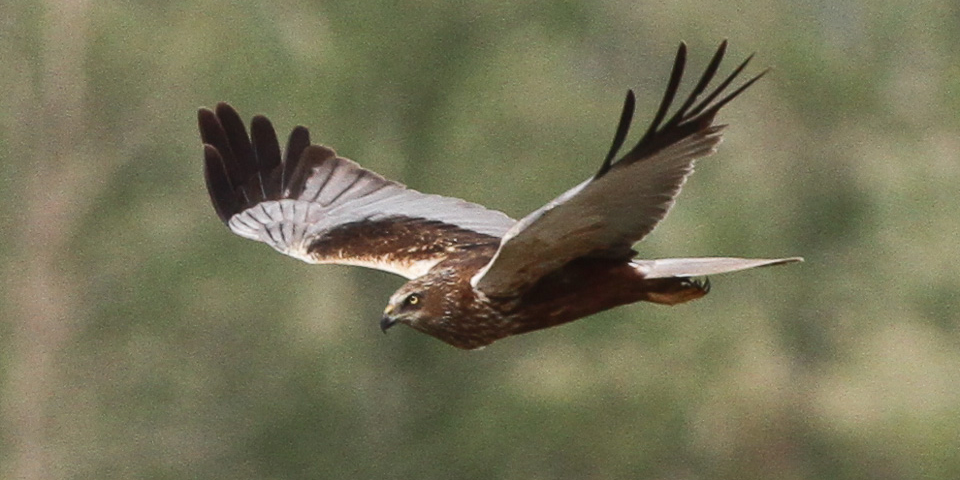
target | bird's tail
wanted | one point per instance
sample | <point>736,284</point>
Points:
<point>696,267</point>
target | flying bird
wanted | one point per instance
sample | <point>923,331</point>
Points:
<point>474,274</point>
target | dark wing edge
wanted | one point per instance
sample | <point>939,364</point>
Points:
<point>625,200</point>
<point>687,120</point>
<point>318,207</point>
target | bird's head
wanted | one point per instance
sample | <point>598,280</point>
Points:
<point>433,303</point>
<point>413,305</point>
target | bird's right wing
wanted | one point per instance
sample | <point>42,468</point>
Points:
<point>605,215</point>
<point>321,208</point>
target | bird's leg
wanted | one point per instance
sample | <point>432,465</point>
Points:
<point>673,291</point>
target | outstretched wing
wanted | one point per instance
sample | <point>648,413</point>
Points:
<point>605,215</point>
<point>321,208</point>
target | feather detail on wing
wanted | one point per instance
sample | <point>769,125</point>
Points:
<point>321,208</point>
<point>698,267</point>
<point>605,215</point>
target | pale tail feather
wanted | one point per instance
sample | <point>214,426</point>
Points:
<point>695,267</point>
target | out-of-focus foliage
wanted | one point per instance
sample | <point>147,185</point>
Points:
<point>140,339</point>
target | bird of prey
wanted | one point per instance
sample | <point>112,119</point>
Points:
<point>474,274</point>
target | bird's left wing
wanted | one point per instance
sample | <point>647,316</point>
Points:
<point>321,208</point>
<point>605,215</point>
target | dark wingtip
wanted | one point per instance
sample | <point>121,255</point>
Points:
<point>208,123</point>
<point>223,107</point>
<point>689,118</point>
<point>222,193</point>
<point>266,148</point>
<point>298,141</point>
<point>705,79</point>
<point>623,127</point>
<point>242,168</point>
<point>734,94</point>
<point>681,57</point>
<point>673,85</point>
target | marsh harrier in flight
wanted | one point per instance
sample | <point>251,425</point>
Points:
<point>476,275</point>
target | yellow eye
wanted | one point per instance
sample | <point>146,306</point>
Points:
<point>412,299</point>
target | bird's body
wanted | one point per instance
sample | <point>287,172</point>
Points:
<point>474,274</point>
<point>462,316</point>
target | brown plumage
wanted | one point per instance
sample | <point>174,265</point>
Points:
<point>476,275</point>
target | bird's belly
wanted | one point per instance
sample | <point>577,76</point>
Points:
<point>577,291</point>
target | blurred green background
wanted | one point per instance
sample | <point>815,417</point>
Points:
<point>141,339</point>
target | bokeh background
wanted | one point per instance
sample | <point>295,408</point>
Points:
<point>141,339</point>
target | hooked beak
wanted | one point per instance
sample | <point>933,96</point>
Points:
<point>386,322</point>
